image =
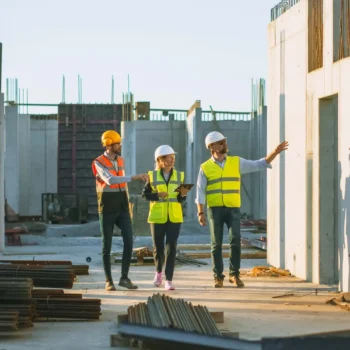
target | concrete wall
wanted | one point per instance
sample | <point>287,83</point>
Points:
<point>2,172</point>
<point>43,169</point>
<point>31,161</point>
<point>24,141</point>
<point>12,158</point>
<point>295,239</point>
<point>258,126</point>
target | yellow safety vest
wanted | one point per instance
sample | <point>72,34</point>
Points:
<point>168,207</point>
<point>223,184</point>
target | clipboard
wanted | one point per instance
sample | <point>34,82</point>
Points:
<point>187,186</point>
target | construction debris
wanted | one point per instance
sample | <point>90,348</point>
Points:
<point>144,256</point>
<point>52,276</point>
<point>185,259</point>
<point>343,301</point>
<point>162,311</point>
<point>267,271</point>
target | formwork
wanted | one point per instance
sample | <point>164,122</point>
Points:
<point>79,133</point>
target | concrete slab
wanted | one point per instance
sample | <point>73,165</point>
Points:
<point>252,311</point>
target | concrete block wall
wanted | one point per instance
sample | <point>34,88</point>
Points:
<point>295,239</point>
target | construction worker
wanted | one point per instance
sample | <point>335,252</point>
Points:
<point>218,185</point>
<point>165,215</point>
<point>113,205</point>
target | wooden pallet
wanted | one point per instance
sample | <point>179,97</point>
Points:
<point>117,340</point>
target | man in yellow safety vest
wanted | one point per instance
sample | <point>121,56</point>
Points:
<point>218,185</point>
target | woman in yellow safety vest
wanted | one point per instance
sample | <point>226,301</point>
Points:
<point>165,215</point>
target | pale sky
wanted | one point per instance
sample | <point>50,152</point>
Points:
<point>175,51</point>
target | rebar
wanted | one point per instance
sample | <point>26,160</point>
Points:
<point>162,311</point>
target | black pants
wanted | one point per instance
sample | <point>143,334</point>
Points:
<point>171,232</point>
<point>218,217</point>
<point>107,222</point>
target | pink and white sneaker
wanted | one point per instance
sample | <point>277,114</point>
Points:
<point>169,285</point>
<point>157,279</point>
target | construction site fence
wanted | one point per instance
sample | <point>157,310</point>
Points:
<point>281,8</point>
<point>207,116</point>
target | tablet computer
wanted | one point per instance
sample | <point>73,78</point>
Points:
<point>187,186</point>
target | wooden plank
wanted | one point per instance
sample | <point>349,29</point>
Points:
<point>218,316</point>
<point>233,335</point>
<point>118,341</point>
<point>122,319</point>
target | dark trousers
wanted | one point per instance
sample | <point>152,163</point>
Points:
<point>107,222</point>
<point>170,231</point>
<point>218,217</point>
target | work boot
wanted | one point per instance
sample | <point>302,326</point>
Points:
<point>126,283</point>
<point>218,282</point>
<point>236,280</point>
<point>110,286</point>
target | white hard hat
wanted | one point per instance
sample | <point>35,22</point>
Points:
<point>163,150</point>
<point>212,137</point>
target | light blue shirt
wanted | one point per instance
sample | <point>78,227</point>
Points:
<point>106,176</point>
<point>245,167</point>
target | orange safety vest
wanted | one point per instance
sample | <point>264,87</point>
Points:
<point>101,186</point>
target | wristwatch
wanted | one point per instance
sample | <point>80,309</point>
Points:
<point>201,213</point>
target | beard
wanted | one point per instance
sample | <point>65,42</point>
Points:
<point>224,150</point>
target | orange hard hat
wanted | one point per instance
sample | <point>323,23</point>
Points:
<point>110,137</point>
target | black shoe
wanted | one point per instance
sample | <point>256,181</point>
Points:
<point>126,283</point>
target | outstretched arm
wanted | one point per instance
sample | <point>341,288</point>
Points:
<point>280,148</point>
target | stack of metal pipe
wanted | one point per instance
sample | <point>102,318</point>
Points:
<point>56,304</point>
<point>9,321</point>
<point>17,309</point>
<point>52,276</point>
<point>68,308</point>
<point>165,312</point>
<point>78,269</point>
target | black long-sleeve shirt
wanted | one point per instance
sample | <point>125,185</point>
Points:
<point>147,190</point>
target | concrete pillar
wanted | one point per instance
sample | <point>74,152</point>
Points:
<point>128,133</point>
<point>24,144</point>
<point>12,158</point>
<point>2,174</point>
<point>194,150</point>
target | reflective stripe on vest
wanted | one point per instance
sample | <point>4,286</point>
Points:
<point>168,207</point>
<point>223,184</point>
<point>101,186</point>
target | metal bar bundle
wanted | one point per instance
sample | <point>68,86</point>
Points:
<point>68,308</point>
<point>162,311</point>
<point>24,308</point>
<point>54,293</point>
<point>16,299</point>
<point>9,321</point>
<point>78,269</point>
<point>52,276</point>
